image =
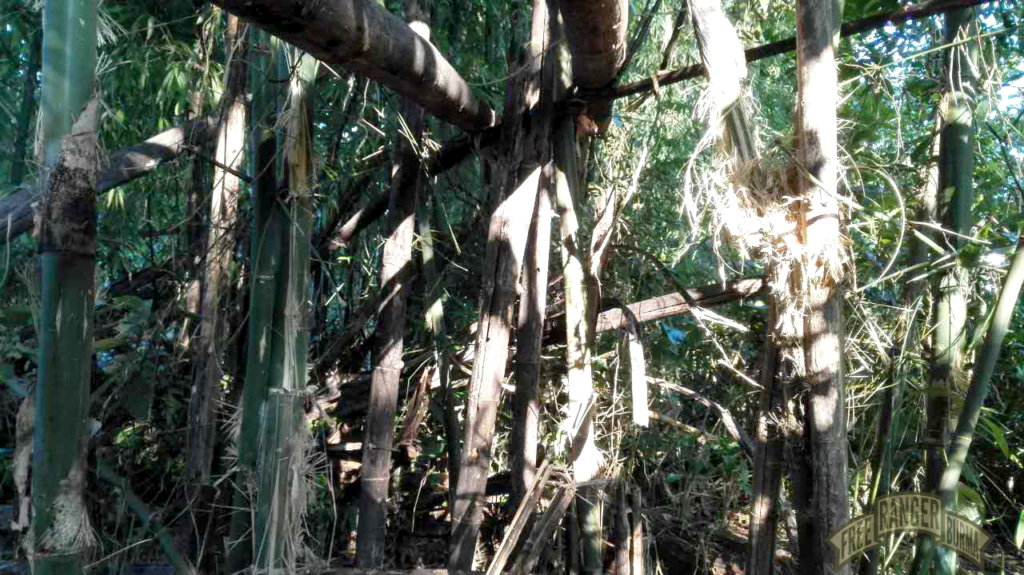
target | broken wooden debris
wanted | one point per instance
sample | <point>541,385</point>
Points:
<point>515,529</point>
<point>543,530</point>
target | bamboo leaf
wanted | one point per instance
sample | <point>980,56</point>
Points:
<point>972,497</point>
<point>1018,537</point>
<point>998,436</point>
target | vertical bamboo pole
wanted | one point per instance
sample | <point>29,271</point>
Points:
<point>375,476</point>
<point>818,89</point>
<point>69,122</point>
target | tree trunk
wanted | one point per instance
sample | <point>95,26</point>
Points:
<point>363,37</point>
<point>596,35</point>
<point>764,513</point>
<point>506,242</point>
<point>220,248</point>
<point>529,333</point>
<point>375,475</point>
<point>822,273</point>
<point>69,122</point>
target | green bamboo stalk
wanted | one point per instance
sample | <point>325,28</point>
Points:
<point>265,248</point>
<point>67,245</point>
<point>278,509</point>
<point>956,167</point>
<point>981,382</point>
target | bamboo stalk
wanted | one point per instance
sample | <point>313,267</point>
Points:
<point>69,121</point>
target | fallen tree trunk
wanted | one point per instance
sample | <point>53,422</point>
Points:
<point>663,306</point>
<point>123,166</point>
<point>363,37</point>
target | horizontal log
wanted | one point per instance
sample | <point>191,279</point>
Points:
<point>661,307</point>
<point>674,304</point>
<point>363,37</point>
<point>121,167</point>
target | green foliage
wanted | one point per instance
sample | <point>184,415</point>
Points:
<point>165,57</point>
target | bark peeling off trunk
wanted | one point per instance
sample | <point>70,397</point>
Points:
<point>61,530</point>
<point>68,212</point>
<point>365,38</point>
<point>217,273</point>
<point>506,244</point>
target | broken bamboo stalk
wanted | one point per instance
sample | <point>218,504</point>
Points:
<point>515,529</point>
<point>543,530</point>
<point>636,544</point>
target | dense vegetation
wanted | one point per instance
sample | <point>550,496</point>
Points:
<point>657,166</point>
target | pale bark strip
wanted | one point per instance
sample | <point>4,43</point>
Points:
<point>726,68</point>
<point>506,242</point>
<point>637,375</point>
<point>389,339</point>
<point>823,321</point>
<point>202,420</point>
<point>362,36</point>
<point>586,458</point>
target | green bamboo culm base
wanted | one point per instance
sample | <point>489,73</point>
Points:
<point>62,401</point>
